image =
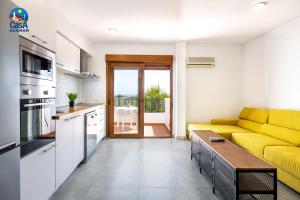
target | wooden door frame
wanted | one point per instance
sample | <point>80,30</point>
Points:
<point>150,66</point>
<point>154,62</point>
<point>110,95</point>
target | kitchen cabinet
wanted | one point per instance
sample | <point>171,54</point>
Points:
<point>78,140</point>
<point>42,23</point>
<point>64,150</point>
<point>101,134</point>
<point>38,174</point>
<point>70,146</point>
<point>68,55</point>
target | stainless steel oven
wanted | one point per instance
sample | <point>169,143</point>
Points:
<point>37,64</point>
<point>36,118</point>
<point>37,106</point>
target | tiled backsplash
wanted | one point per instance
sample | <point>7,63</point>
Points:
<point>65,84</point>
<point>89,91</point>
<point>93,92</point>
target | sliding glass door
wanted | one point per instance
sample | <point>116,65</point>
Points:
<point>126,100</point>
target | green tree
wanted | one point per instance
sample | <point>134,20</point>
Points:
<point>154,99</point>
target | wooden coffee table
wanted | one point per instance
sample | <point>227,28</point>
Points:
<point>233,171</point>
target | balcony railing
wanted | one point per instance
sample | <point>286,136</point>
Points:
<point>151,105</point>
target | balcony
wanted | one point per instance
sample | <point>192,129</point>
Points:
<point>156,116</point>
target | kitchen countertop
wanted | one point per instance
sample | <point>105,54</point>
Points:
<point>66,112</point>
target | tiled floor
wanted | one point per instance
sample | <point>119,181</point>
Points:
<point>144,169</point>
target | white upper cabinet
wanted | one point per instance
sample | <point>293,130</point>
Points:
<point>41,23</point>
<point>75,57</point>
<point>68,55</point>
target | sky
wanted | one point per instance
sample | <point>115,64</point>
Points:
<point>126,81</point>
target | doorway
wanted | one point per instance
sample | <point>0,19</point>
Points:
<point>156,102</point>
<point>139,97</point>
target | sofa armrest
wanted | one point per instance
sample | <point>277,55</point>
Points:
<point>225,121</point>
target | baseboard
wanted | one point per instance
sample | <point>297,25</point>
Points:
<point>180,137</point>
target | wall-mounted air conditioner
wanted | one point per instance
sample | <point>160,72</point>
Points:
<point>200,62</point>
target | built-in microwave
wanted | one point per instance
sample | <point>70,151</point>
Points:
<point>37,64</point>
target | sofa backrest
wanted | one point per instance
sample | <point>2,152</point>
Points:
<point>250,125</point>
<point>285,134</point>
<point>253,118</point>
<point>283,125</point>
<point>258,115</point>
<point>285,118</point>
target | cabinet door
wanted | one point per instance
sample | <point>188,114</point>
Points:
<point>62,55</point>
<point>64,150</point>
<point>68,55</point>
<point>74,53</point>
<point>102,124</point>
<point>38,174</point>
<point>41,31</point>
<point>78,140</point>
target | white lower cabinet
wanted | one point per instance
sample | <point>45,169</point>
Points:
<point>38,174</point>
<point>64,150</point>
<point>101,134</point>
<point>69,146</point>
<point>78,140</point>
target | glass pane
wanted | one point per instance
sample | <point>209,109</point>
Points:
<point>126,101</point>
<point>157,103</point>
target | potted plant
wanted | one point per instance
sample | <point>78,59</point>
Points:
<point>72,97</point>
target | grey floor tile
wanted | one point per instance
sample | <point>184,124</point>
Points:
<point>142,169</point>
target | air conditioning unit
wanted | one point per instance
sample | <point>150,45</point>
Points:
<point>200,62</point>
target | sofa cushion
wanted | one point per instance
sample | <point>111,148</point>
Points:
<point>255,114</point>
<point>250,125</point>
<point>285,118</point>
<point>256,143</point>
<point>284,157</point>
<point>282,133</point>
<point>223,130</point>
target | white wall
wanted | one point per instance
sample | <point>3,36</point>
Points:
<point>218,91</point>
<point>272,68</point>
<point>167,113</point>
<point>179,107</point>
<point>157,118</point>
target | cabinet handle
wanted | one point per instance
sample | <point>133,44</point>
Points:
<point>76,116</point>
<point>49,148</point>
<point>40,39</point>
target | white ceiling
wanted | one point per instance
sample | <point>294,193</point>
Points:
<point>175,20</point>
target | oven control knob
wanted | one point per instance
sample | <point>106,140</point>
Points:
<point>46,92</point>
<point>28,92</point>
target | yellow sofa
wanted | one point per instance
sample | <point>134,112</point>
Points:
<point>250,120</point>
<point>272,135</point>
